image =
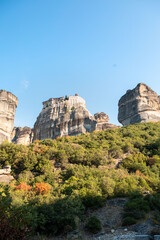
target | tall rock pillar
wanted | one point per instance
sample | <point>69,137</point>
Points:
<point>8,104</point>
<point>140,104</point>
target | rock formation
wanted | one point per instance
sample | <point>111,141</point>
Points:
<point>66,117</point>
<point>8,104</point>
<point>62,117</point>
<point>5,174</point>
<point>59,117</point>
<point>141,104</point>
<point>22,135</point>
<point>103,122</point>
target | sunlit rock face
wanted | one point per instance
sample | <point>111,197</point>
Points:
<point>22,135</point>
<point>141,104</point>
<point>8,104</point>
<point>66,117</point>
<point>102,120</point>
<point>63,117</point>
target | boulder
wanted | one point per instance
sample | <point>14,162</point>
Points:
<point>5,176</point>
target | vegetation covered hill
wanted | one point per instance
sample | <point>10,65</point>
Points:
<point>56,181</point>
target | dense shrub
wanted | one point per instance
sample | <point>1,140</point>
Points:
<point>60,216</point>
<point>138,206</point>
<point>128,221</point>
<point>42,188</point>
<point>15,222</point>
<point>57,180</point>
<point>94,225</point>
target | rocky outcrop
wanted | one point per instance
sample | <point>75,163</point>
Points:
<point>101,117</point>
<point>67,117</point>
<point>8,104</point>
<point>5,174</point>
<point>141,104</point>
<point>102,120</point>
<point>22,135</point>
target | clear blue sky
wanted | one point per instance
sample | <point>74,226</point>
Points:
<point>97,48</point>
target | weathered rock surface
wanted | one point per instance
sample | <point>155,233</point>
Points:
<point>103,122</point>
<point>8,104</point>
<point>22,135</point>
<point>141,104</point>
<point>101,117</point>
<point>62,117</point>
<point>5,175</point>
<point>67,117</point>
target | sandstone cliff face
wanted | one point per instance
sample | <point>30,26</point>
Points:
<point>66,117</point>
<point>141,104</point>
<point>8,104</point>
<point>22,135</point>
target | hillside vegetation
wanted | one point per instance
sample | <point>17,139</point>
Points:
<point>56,181</point>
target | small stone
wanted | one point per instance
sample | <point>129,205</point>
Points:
<point>112,230</point>
<point>125,230</point>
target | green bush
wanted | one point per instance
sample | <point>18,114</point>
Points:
<point>94,225</point>
<point>60,216</point>
<point>93,201</point>
<point>128,221</point>
<point>15,222</point>
<point>136,208</point>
